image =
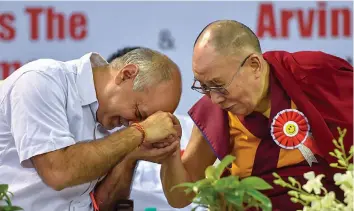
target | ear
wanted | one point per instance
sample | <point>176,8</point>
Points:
<point>129,71</point>
<point>256,65</point>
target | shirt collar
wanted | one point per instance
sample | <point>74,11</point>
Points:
<point>84,77</point>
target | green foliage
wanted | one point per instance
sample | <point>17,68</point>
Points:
<point>4,196</point>
<point>227,193</point>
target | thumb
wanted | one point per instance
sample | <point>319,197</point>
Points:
<point>178,130</point>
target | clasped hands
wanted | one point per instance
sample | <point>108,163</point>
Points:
<point>162,139</point>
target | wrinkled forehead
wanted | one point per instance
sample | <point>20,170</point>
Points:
<point>202,68</point>
<point>210,69</point>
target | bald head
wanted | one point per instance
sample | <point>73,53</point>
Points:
<point>228,37</point>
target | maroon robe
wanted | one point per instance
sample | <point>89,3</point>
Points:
<point>320,85</point>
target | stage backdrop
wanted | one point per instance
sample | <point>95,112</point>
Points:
<point>67,30</point>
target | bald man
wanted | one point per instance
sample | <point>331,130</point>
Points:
<point>275,112</point>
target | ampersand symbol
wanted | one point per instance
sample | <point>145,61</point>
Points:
<point>166,41</point>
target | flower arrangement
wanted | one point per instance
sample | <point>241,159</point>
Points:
<point>4,196</point>
<point>312,195</point>
<point>228,193</point>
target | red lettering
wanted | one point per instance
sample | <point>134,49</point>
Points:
<point>306,28</point>
<point>51,18</point>
<point>7,30</point>
<point>266,21</point>
<point>322,19</point>
<point>34,13</point>
<point>58,25</point>
<point>346,22</point>
<point>78,28</point>
<point>8,67</point>
<point>306,19</point>
<point>286,15</point>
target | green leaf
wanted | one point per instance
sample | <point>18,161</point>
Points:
<point>266,204</point>
<point>256,183</point>
<point>226,161</point>
<point>188,191</point>
<point>207,196</point>
<point>227,183</point>
<point>235,198</point>
<point>4,188</point>
<point>12,208</point>
<point>204,182</point>
<point>350,167</point>
<point>251,202</point>
<point>210,172</point>
<point>184,185</point>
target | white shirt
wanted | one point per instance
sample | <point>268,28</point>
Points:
<point>46,105</point>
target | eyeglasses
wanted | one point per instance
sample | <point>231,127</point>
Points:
<point>204,89</point>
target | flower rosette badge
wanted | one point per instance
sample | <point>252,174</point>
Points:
<point>289,130</point>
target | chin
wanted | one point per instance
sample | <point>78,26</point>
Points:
<point>240,112</point>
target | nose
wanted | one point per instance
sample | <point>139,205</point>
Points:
<point>217,98</point>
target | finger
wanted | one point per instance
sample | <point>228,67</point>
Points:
<point>178,130</point>
<point>172,132</point>
<point>157,145</point>
<point>175,120</point>
<point>165,151</point>
<point>176,125</point>
<point>158,155</point>
<point>171,138</point>
<point>161,144</point>
<point>173,150</point>
<point>166,142</point>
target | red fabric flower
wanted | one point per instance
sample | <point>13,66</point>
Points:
<point>290,129</point>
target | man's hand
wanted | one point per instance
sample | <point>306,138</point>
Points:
<point>157,152</point>
<point>160,126</point>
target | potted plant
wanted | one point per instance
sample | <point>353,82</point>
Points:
<point>230,193</point>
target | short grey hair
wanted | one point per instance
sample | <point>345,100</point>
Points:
<point>154,67</point>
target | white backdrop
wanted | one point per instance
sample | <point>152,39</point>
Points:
<point>67,30</point>
<point>111,25</point>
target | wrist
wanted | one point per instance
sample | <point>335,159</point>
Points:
<point>175,157</point>
<point>141,129</point>
<point>130,160</point>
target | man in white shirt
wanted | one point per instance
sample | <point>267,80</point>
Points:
<point>139,180</point>
<point>54,117</point>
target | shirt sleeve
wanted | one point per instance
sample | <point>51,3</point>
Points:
<point>39,122</point>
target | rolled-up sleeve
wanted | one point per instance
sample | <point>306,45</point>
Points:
<point>39,122</point>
